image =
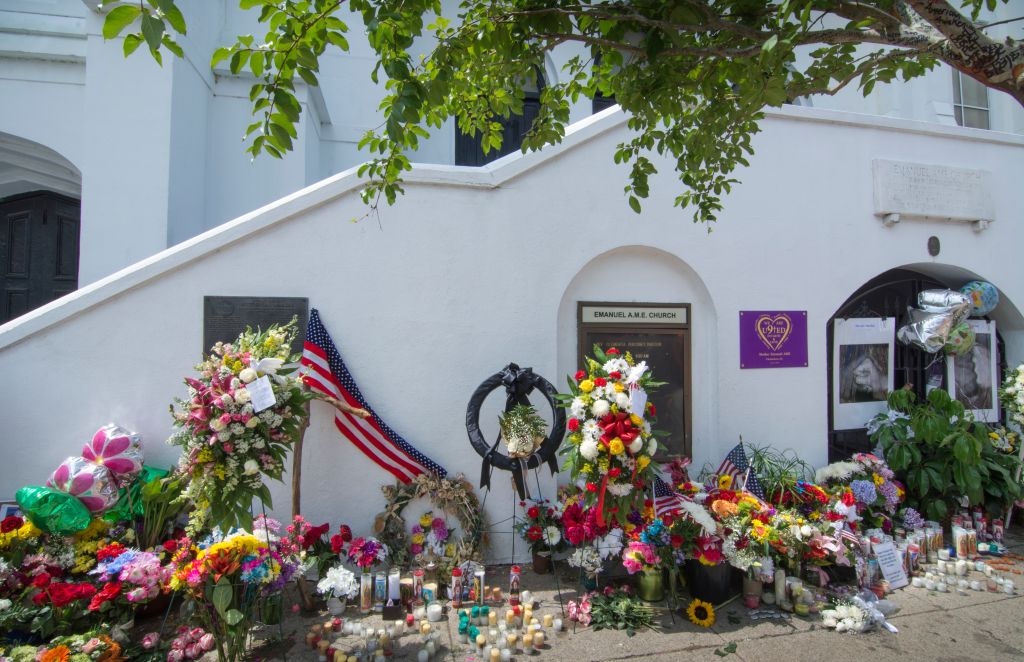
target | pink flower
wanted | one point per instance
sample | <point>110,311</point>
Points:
<point>225,419</point>
<point>193,652</point>
<point>295,608</point>
<point>175,654</point>
<point>206,642</point>
<point>91,645</point>
<point>151,640</point>
<point>228,448</point>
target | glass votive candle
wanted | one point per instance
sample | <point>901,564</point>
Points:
<point>538,640</point>
<point>399,629</point>
<point>943,554</point>
<point>527,641</point>
<point>951,580</point>
<point>346,628</point>
<point>527,598</point>
<point>963,584</point>
<point>549,620</point>
<point>976,585</point>
<point>917,582</point>
<point>495,655</point>
<point>425,628</point>
<point>940,567</point>
<point>496,594</point>
<point>430,647</point>
<point>481,640</point>
<point>557,625</point>
<point>492,635</point>
<point>929,584</point>
<point>434,612</point>
<point>419,613</point>
<point>942,587</point>
<point>506,655</point>
<point>422,655</point>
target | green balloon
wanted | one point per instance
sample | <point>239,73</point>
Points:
<point>53,511</point>
<point>129,507</point>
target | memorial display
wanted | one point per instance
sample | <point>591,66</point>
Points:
<point>96,562</point>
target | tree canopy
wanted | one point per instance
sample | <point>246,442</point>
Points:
<point>693,76</point>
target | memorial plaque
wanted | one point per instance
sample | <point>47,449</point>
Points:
<point>226,317</point>
<point>642,330</point>
<point>920,190</point>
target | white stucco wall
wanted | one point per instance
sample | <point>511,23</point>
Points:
<point>424,305</point>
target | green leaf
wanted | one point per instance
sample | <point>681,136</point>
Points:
<point>172,14</point>
<point>153,31</point>
<point>173,46</point>
<point>634,204</point>
<point>118,19</point>
<point>222,596</point>
<point>233,617</point>
<point>769,44</point>
<point>131,43</point>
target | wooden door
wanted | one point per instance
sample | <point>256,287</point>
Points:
<point>39,239</point>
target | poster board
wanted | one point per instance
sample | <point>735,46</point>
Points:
<point>862,369</point>
<point>973,377</point>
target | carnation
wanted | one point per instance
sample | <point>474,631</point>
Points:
<point>600,408</point>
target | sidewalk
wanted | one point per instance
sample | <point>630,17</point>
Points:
<point>932,626</point>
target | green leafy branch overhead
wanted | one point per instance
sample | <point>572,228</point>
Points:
<point>693,76</point>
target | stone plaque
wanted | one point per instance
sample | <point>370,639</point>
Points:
<point>226,317</point>
<point>918,190</point>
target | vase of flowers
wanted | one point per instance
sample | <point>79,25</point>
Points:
<point>541,529</point>
<point>338,586</point>
<point>542,562</point>
<point>650,585</point>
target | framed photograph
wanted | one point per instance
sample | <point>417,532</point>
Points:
<point>8,508</point>
<point>973,376</point>
<point>862,369</point>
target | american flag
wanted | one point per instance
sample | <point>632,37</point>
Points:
<point>666,500</point>
<point>735,464</point>
<point>326,373</point>
<point>849,536</point>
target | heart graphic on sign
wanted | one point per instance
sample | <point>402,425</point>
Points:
<point>773,331</point>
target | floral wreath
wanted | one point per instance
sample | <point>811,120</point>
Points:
<point>453,496</point>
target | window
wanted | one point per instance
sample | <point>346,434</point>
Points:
<point>470,152</point>
<point>970,101</point>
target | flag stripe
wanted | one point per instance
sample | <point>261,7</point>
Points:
<point>325,372</point>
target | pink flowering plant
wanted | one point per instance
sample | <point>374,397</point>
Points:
<point>367,552</point>
<point>639,556</point>
<point>613,609</point>
<point>230,437</point>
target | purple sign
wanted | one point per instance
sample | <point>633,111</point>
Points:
<point>773,339</point>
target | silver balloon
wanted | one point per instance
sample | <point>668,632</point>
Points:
<point>930,327</point>
<point>90,483</point>
<point>117,449</point>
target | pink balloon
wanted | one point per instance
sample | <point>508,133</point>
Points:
<point>117,449</point>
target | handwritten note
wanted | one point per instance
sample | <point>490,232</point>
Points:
<point>890,563</point>
<point>261,393</point>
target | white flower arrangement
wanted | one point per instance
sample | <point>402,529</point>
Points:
<point>847,618</point>
<point>523,430</point>
<point>700,515</point>
<point>837,471</point>
<point>339,582</point>
<point>552,536</point>
<point>587,559</point>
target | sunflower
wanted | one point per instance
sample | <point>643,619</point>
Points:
<point>701,613</point>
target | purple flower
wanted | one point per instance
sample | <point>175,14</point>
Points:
<point>891,494</point>
<point>912,519</point>
<point>440,529</point>
<point>864,491</point>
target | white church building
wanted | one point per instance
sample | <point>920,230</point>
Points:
<point>128,208</point>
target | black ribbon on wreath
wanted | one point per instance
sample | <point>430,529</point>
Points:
<point>518,383</point>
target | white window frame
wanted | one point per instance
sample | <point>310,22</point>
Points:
<point>958,91</point>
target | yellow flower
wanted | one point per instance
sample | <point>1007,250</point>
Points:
<point>878,480</point>
<point>220,471</point>
<point>616,447</point>
<point>759,531</point>
<point>205,455</point>
<point>994,436</point>
<point>418,538</point>
<point>576,438</point>
<point>586,468</point>
<point>587,386</point>
<point>642,462</point>
<point>637,421</point>
<point>426,519</point>
<point>724,482</point>
<point>602,464</point>
<point>619,388</point>
<point>814,516</point>
<point>701,613</point>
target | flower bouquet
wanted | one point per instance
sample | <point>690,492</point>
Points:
<point>541,528</point>
<point>340,585</point>
<point>612,609</point>
<point>523,430</point>
<point>611,445</point>
<point>367,552</point>
<point>864,489</point>
<point>241,417</point>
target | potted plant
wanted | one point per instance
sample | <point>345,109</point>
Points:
<point>338,586</point>
<point>542,531</point>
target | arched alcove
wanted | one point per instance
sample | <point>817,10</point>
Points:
<point>40,212</point>
<point>644,274</point>
<point>888,295</point>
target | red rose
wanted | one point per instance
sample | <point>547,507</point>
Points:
<point>676,540</point>
<point>41,581</point>
<point>337,543</point>
<point>615,374</point>
<point>170,546</point>
<point>40,598</point>
<point>64,594</point>
<point>614,472</point>
<point>111,551</point>
<point>600,381</point>
<point>345,532</point>
<point>652,409</point>
<point>591,487</point>
<point>574,424</point>
<point>314,534</point>
<point>109,591</point>
<point>613,351</point>
<point>580,375</point>
<point>848,499</point>
<point>11,523</point>
<point>534,532</point>
<point>533,512</point>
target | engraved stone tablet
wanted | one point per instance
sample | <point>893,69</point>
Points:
<point>918,190</point>
<point>226,317</point>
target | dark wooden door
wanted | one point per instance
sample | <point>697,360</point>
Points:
<point>39,236</point>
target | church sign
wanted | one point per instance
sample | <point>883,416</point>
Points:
<point>658,333</point>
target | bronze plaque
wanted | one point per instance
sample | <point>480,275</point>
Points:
<point>226,317</point>
<point>666,348</point>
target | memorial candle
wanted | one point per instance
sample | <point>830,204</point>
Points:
<point>538,640</point>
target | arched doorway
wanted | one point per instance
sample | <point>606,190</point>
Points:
<point>40,218</point>
<point>889,295</point>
